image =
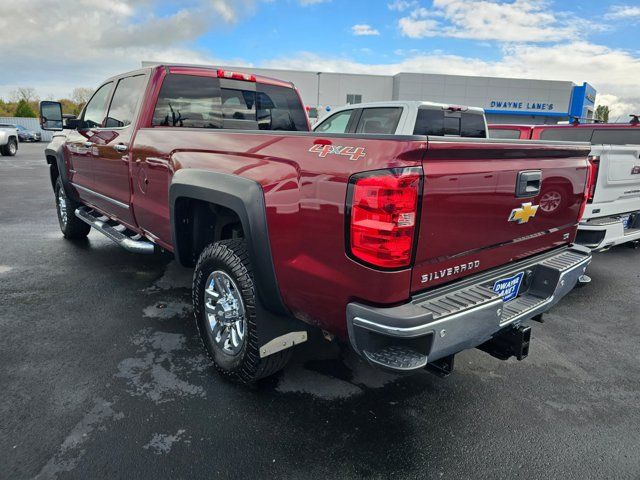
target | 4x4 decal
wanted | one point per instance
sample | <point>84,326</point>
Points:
<point>354,153</point>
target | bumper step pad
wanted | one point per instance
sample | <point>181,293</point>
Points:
<point>397,358</point>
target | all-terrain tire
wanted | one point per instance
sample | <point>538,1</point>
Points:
<point>232,258</point>
<point>10,149</point>
<point>71,226</point>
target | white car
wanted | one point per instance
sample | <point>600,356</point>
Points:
<point>8,140</point>
<point>406,118</point>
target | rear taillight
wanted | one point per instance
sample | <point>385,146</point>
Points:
<point>594,162</point>
<point>382,216</point>
<point>590,185</point>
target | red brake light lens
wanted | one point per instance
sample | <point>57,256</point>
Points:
<point>590,185</point>
<point>384,211</point>
<point>594,162</point>
<point>236,75</point>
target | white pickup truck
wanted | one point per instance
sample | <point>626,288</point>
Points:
<point>406,118</point>
<point>612,215</point>
<point>8,140</point>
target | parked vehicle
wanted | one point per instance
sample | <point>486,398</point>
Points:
<point>406,118</point>
<point>410,248</point>
<point>8,140</point>
<point>612,216</point>
<point>26,135</point>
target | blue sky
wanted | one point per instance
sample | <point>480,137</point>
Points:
<point>56,46</point>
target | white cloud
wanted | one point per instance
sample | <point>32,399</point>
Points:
<point>401,5</point>
<point>516,21</point>
<point>618,12</point>
<point>418,25</point>
<point>56,46</point>
<point>364,29</point>
<point>612,71</point>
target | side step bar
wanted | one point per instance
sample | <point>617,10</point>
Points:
<point>127,239</point>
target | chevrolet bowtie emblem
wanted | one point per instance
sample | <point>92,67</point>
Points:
<point>524,213</point>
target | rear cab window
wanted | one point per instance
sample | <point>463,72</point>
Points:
<point>193,101</point>
<point>612,136</point>
<point>567,134</point>
<point>443,123</point>
<point>504,133</point>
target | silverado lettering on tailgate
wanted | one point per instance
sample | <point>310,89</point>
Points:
<point>447,272</point>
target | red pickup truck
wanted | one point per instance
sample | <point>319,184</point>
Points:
<point>410,248</point>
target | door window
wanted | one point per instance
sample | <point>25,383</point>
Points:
<point>336,123</point>
<point>125,101</point>
<point>95,110</point>
<point>379,120</point>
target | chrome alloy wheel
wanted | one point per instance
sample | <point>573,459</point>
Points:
<point>13,148</point>
<point>225,312</point>
<point>62,207</point>
<point>550,201</point>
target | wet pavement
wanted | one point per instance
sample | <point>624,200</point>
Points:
<point>102,376</point>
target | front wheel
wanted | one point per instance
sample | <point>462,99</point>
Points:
<point>70,225</point>
<point>224,302</point>
<point>10,149</point>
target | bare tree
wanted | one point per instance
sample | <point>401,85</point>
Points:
<point>81,95</point>
<point>28,94</point>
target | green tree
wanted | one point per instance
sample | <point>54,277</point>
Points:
<point>602,113</point>
<point>23,109</point>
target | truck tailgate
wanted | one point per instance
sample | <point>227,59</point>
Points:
<point>618,173</point>
<point>471,219</point>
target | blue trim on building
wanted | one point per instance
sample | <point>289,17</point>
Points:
<point>520,112</point>
<point>583,98</point>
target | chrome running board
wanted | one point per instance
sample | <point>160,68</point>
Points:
<point>127,239</point>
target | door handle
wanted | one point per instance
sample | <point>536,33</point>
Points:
<point>88,144</point>
<point>528,183</point>
<point>120,147</point>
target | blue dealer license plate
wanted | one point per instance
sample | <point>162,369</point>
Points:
<point>508,288</point>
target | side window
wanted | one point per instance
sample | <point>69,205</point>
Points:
<point>188,101</point>
<point>627,136</point>
<point>506,133</point>
<point>379,120</point>
<point>94,112</point>
<point>568,134</point>
<point>336,123</point>
<point>125,101</point>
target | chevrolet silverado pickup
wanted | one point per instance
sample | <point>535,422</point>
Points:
<point>409,248</point>
<point>403,117</point>
<point>612,216</point>
<point>8,140</point>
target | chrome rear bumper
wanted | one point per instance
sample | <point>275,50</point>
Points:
<point>463,315</point>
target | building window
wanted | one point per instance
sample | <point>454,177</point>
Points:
<point>353,98</point>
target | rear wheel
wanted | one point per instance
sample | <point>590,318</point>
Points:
<point>70,225</point>
<point>10,149</point>
<point>224,301</point>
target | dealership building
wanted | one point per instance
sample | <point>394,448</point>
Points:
<point>505,100</point>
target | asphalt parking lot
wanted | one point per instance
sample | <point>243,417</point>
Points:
<point>102,376</point>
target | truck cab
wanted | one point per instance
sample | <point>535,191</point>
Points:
<point>406,118</point>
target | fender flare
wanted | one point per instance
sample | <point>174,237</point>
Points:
<point>246,198</point>
<point>56,152</point>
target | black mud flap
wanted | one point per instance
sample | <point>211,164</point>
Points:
<point>278,332</point>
